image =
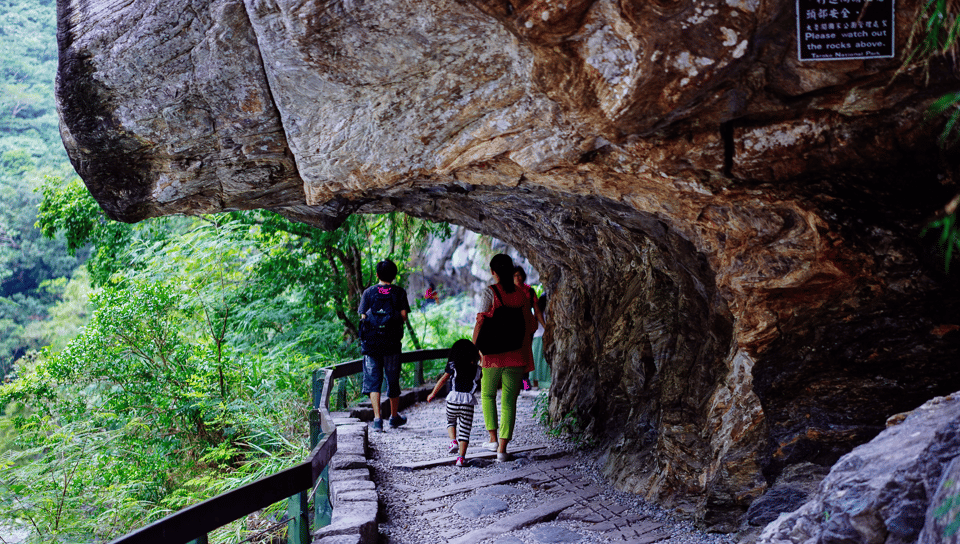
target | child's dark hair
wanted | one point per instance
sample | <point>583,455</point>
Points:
<point>463,350</point>
<point>502,264</point>
<point>386,270</point>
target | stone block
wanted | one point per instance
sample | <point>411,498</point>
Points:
<point>347,486</point>
<point>351,447</point>
<point>346,433</point>
<point>339,539</point>
<point>357,495</point>
<point>479,506</point>
<point>615,508</point>
<point>337,475</point>
<point>585,515</point>
<point>554,534</point>
<point>587,492</point>
<point>602,527</point>
<point>362,413</point>
<point>358,518</point>
<point>348,462</point>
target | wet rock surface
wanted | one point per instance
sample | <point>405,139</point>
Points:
<point>729,237</point>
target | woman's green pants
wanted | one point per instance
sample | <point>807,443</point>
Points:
<point>509,379</point>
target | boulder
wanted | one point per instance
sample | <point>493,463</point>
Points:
<point>889,490</point>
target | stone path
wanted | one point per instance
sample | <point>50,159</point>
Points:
<point>575,498</point>
<point>404,489</point>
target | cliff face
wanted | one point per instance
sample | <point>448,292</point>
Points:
<point>729,236</point>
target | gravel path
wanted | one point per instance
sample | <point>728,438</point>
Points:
<point>410,520</point>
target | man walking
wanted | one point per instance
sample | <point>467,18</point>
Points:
<point>383,310</point>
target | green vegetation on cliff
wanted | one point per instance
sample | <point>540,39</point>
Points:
<point>33,269</point>
<point>191,377</point>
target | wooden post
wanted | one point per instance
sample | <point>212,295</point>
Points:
<point>341,403</point>
<point>315,430</point>
<point>323,509</point>
<point>298,528</point>
<point>317,389</point>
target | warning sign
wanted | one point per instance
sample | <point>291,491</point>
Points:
<point>844,29</point>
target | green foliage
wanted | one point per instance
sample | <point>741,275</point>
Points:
<point>949,226</point>
<point>66,316</point>
<point>68,210</point>
<point>28,63</point>
<point>194,365</point>
<point>950,507</point>
<point>947,106</point>
<point>936,29</point>
<point>28,261</point>
<point>143,407</point>
<point>332,268</point>
<point>935,34</point>
<point>569,426</point>
<point>30,149</point>
<point>440,325</point>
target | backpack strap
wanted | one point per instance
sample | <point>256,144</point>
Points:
<point>497,294</point>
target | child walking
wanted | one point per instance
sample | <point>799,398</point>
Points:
<point>464,368</point>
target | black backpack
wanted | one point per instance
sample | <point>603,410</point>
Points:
<point>503,331</point>
<point>382,328</point>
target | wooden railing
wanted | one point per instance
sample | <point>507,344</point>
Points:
<point>191,525</point>
<point>324,378</point>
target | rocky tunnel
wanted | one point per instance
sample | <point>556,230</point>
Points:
<point>730,237</point>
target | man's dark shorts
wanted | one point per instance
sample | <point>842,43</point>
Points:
<point>374,367</point>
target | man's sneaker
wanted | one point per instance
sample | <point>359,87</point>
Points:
<point>460,461</point>
<point>492,446</point>
<point>378,425</point>
<point>454,446</point>
<point>397,420</point>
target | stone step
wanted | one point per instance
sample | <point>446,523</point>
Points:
<point>495,479</point>
<point>517,521</point>
<point>471,454</point>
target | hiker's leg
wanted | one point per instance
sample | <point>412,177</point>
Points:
<point>489,384</point>
<point>465,417</point>
<point>391,367</point>
<point>512,378</point>
<point>373,381</point>
<point>452,421</point>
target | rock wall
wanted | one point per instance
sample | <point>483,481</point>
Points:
<point>729,237</point>
<point>460,264</point>
<point>895,489</point>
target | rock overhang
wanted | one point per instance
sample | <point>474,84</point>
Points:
<point>689,190</point>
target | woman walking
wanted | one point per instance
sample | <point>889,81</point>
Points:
<point>504,370</point>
